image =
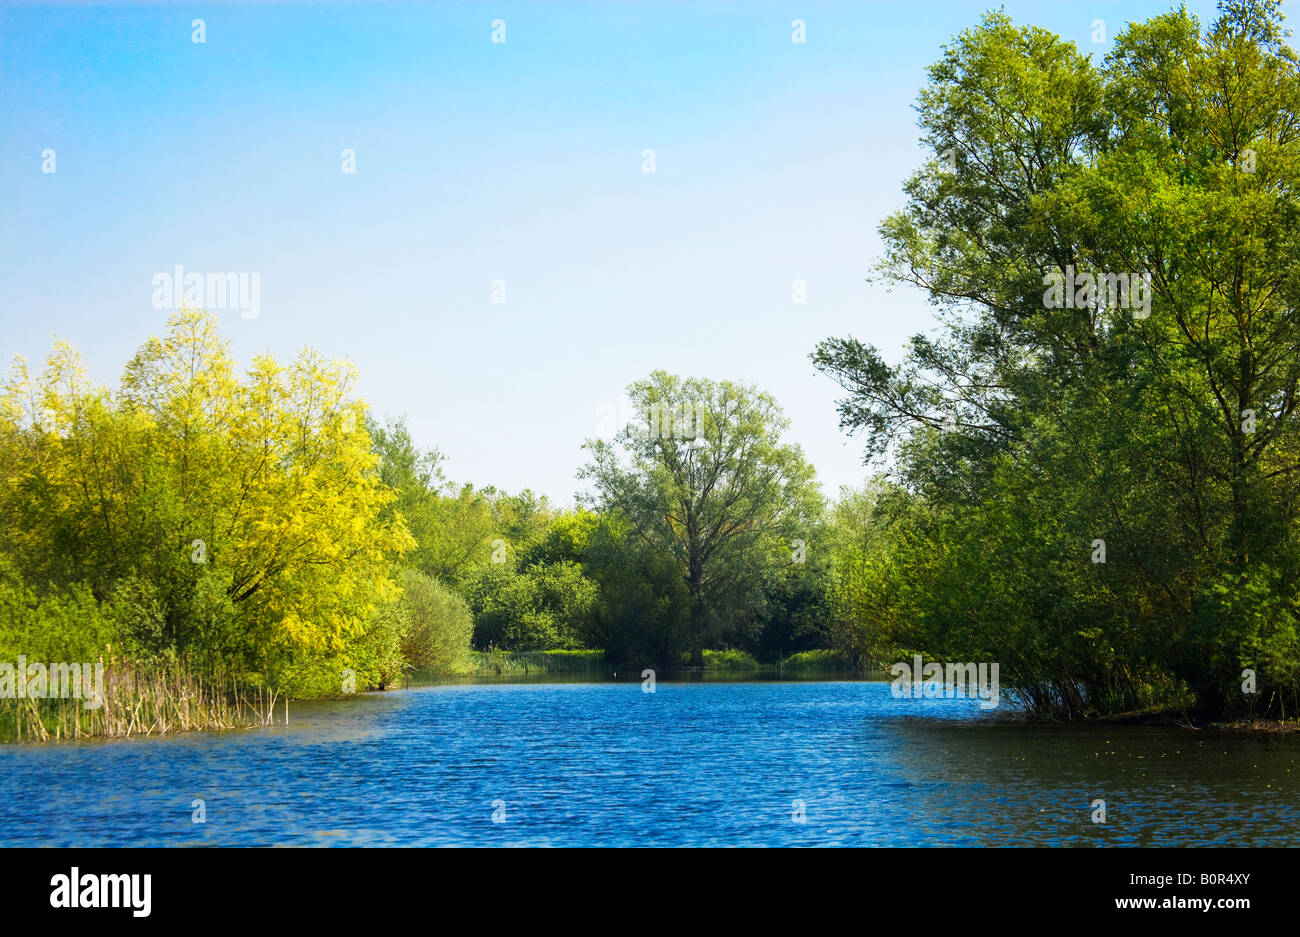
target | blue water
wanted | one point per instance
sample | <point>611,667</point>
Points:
<point>699,764</point>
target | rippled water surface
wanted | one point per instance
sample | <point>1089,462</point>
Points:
<point>691,764</point>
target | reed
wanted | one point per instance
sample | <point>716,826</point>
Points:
<point>140,701</point>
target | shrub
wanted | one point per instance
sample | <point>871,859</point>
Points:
<point>438,625</point>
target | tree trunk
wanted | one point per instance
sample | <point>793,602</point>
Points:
<point>695,584</point>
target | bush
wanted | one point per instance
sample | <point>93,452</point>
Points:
<point>545,607</point>
<point>730,660</point>
<point>51,624</point>
<point>438,625</point>
<point>821,661</point>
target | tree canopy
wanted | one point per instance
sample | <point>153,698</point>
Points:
<point>1110,247</point>
<point>705,479</point>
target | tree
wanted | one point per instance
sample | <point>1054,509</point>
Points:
<point>543,607</point>
<point>1113,253</point>
<point>242,519</point>
<point>453,527</point>
<point>706,482</point>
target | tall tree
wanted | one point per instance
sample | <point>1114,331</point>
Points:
<point>1112,250</point>
<point>704,479</point>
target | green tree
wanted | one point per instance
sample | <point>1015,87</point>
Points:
<point>1046,419</point>
<point>544,607</point>
<point>704,480</point>
<point>453,526</point>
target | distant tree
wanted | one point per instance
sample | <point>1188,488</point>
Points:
<point>704,480</point>
<point>454,527</point>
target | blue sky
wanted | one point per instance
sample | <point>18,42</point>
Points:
<point>476,161</point>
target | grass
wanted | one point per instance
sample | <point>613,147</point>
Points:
<point>805,662</point>
<point>140,701</point>
<point>730,660</point>
<point>506,663</point>
<point>821,661</point>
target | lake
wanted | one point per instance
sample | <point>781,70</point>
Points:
<point>809,763</point>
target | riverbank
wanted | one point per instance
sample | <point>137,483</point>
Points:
<point>526,663</point>
<point>149,705</point>
<point>1161,719</point>
<point>1184,721</point>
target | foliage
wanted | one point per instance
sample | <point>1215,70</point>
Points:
<point>1040,424</point>
<point>706,483</point>
<point>729,660</point>
<point>437,625</point>
<point>544,607</point>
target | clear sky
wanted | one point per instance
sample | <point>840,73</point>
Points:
<point>478,161</point>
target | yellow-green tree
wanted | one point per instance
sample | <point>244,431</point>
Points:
<point>242,516</point>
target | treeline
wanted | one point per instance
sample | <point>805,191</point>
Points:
<point>215,535</point>
<point>1097,476</point>
<point>702,530</point>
